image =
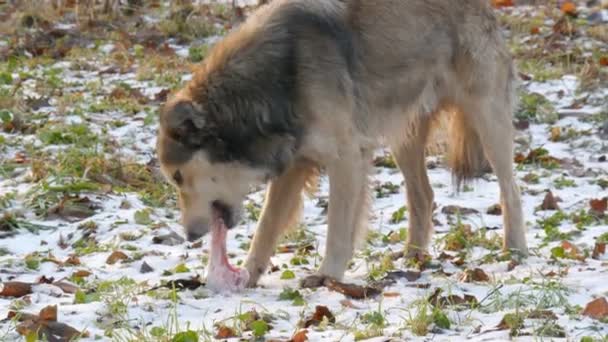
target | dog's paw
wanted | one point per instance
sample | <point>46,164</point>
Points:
<point>255,272</point>
<point>313,281</point>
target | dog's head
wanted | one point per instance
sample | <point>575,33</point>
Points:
<point>214,155</point>
<point>232,126</point>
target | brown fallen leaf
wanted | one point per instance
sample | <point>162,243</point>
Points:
<point>454,209</point>
<point>598,250</point>
<point>572,251</point>
<point>391,294</point>
<point>549,202</point>
<point>300,336</point>
<point>72,260</point>
<point>495,209</point>
<point>81,274</point>
<point>66,287</point>
<point>352,290</point>
<point>115,257</point>
<point>476,274</point>
<point>45,325</point>
<point>569,8</point>
<point>599,206</point>
<point>225,332</point>
<point>502,3</point>
<point>512,264</point>
<point>542,314</point>
<point>597,308</point>
<point>392,277</point>
<point>317,317</point>
<point>442,301</point>
<point>15,289</point>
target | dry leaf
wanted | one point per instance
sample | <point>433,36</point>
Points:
<point>72,260</point>
<point>454,209</point>
<point>597,309</point>
<point>15,289</point>
<point>442,301</point>
<point>512,264</point>
<point>569,7</point>
<point>320,313</point>
<point>81,273</point>
<point>535,30</point>
<point>542,314</point>
<point>477,274</point>
<point>495,209</point>
<point>351,290</point>
<point>66,287</point>
<point>598,250</point>
<point>556,134</point>
<point>45,325</point>
<point>391,294</point>
<point>225,332</point>
<point>49,313</point>
<point>599,206</point>
<point>549,202</point>
<point>300,336</point>
<point>115,257</point>
<point>502,3</point>
<point>603,61</point>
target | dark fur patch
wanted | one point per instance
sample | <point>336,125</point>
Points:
<point>247,104</point>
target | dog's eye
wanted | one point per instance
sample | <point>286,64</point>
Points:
<point>177,177</point>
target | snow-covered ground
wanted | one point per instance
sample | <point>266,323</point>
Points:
<point>541,297</point>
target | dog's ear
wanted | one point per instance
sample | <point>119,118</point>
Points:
<point>184,123</point>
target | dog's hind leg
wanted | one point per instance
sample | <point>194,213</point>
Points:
<point>348,209</point>
<point>491,119</point>
<point>410,157</point>
<point>281,211</point>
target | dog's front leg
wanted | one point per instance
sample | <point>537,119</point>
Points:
<point>347,209</point>
<point>281,211</point>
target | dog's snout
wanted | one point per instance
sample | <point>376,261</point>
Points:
<point>225,212</point>
<point>196,230</point>
<point>193,236</point>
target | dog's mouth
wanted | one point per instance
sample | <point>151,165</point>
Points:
<point>220,210</point>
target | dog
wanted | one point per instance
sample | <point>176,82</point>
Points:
<point>309,85</point>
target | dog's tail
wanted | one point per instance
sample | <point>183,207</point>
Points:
<point>464,152</point>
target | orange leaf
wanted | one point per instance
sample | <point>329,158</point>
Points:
<point>598,250</point>
<point>597,308</point>
<point>15,289</point>
<point>300,336</point>
<point>473,275</point>
<point>599,206</point>
<point>502,3</point>
<point>391,294</point>
<point>604,61</point>
<point>225,332</point>
<point>549,202</point>
<point>72,260</point>
<point>320,313</point>
<point>81,274</point>
<point>535,30</point>
<point>569,8</point>
<point>49,313</point>
<point>116,256</point>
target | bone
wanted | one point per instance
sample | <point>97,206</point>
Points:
<point>221,276</point>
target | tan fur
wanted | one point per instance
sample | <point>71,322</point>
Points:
<point>418,64</point>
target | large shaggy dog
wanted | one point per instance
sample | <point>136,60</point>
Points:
<point>310,84</point>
